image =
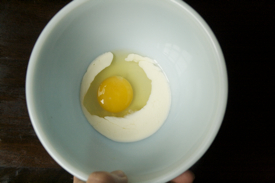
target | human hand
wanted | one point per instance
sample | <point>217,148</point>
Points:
<point>186,177</point>
<point>119,177</point>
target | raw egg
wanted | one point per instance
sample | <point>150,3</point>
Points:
<point>125,97</point>
<point>116,67</point>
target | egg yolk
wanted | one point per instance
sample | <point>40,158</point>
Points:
<point>115,94</point>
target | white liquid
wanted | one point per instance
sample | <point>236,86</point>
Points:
<point>142,123</point>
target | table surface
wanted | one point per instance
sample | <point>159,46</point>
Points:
<point>244,149</point>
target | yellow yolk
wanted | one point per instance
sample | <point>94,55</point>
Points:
<point>115,94</point>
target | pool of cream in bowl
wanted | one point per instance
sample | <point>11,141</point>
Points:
<point>167,31</point>
<point>136,123</point>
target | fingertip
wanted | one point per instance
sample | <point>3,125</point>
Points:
<point>77,180</point>
<point>99,177</point>
<point>106,177</point>
<point>190,174</point>
<point>119,173</point>
<point>120,176</point>
<point>186,177</point>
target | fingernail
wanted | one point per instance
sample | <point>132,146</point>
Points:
<point>119,173</point>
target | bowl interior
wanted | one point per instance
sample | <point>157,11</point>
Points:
<point>169,32</point>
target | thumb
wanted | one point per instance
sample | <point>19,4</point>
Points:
<point>119,176</point>
<point>105,177</point>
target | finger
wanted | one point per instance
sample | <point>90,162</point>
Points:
<point>106,177</point>
<point>77,180</point>
<point>186,177</point>
<point>120,176</point>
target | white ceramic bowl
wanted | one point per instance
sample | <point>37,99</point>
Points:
<point>168,31</point>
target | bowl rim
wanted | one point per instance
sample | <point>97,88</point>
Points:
<point>221,107</point>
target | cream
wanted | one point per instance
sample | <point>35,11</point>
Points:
<point>142,123</point>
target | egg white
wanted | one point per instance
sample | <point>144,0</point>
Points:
<point>142,123</point>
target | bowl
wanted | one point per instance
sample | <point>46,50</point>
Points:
<point>168,31</point>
